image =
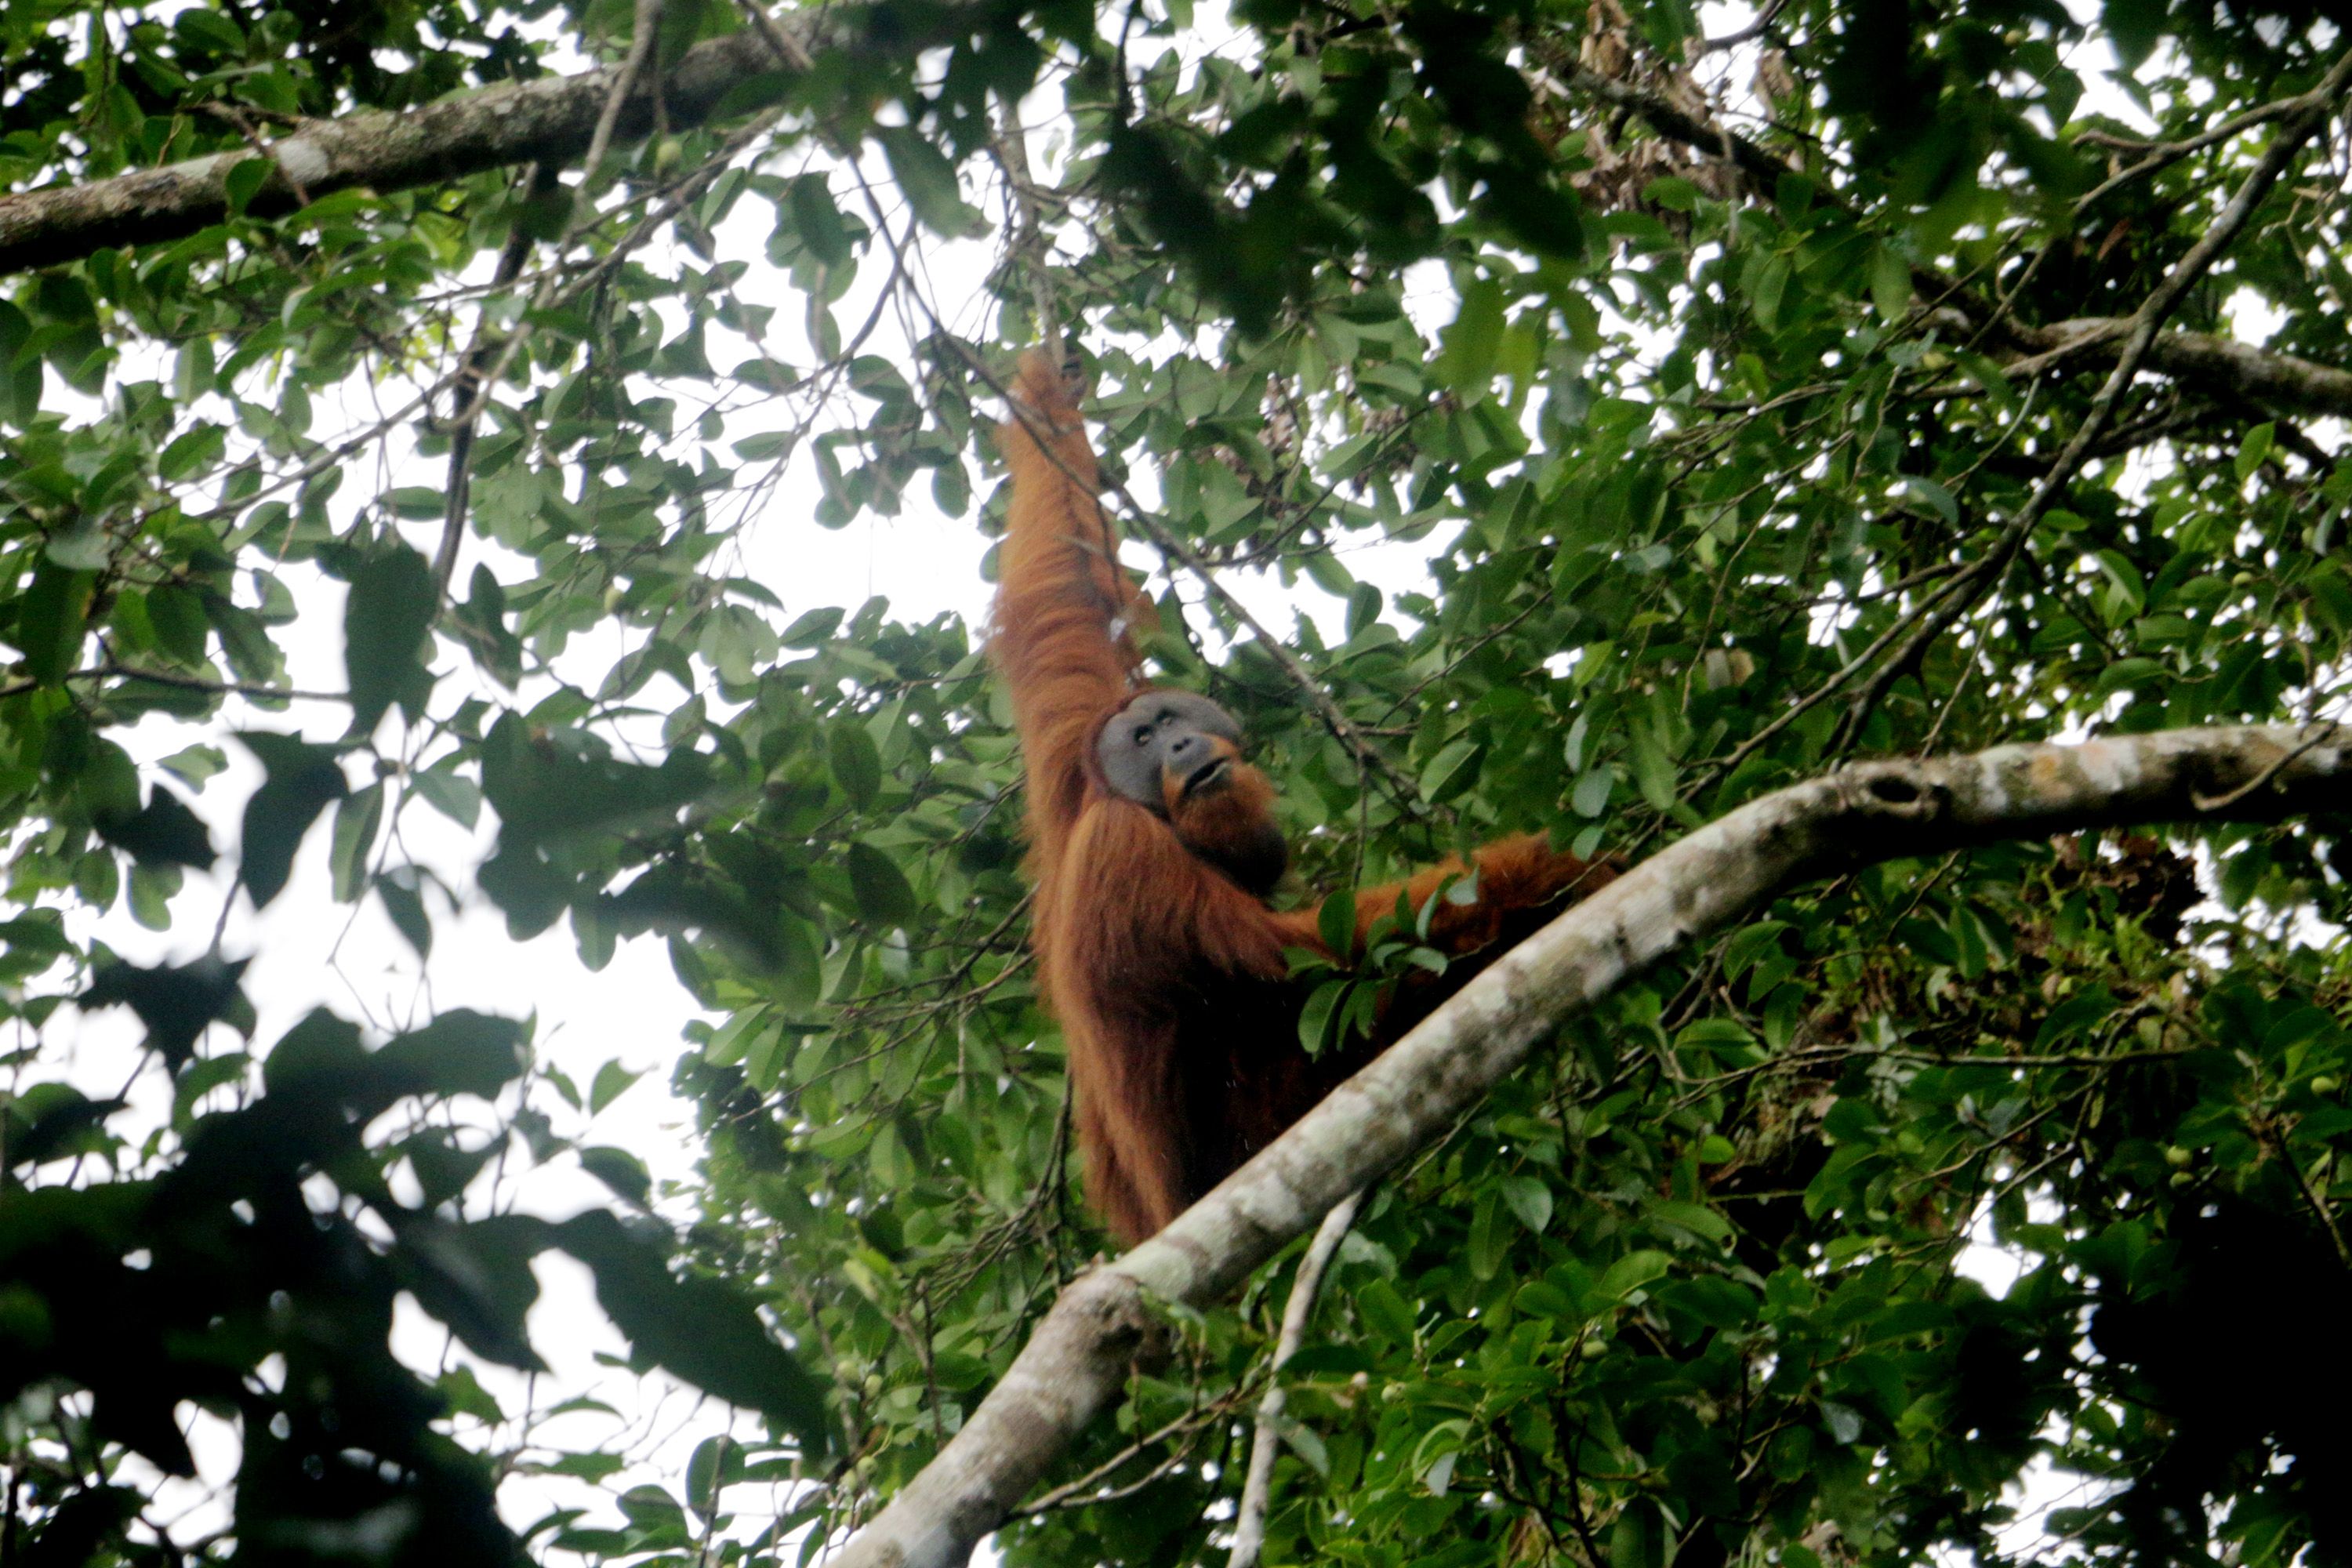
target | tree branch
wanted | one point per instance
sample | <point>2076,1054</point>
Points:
<point>1076,1361</point>
<point>549,120</point>
<point>2215,363</point>
<point>1257,1490</point>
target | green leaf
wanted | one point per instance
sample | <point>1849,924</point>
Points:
<point>457,798</point>
<point>1890,283</point>
<point>1771,283</point>
<point>1653,770</point>
<point>817,220</point>
<point>621,1171</point>
<point>85,547</point>
<point>1384,1311</point>
<point>1335,922</point>
<point>194,764</point>
<point>1638,1539</point>
<point>856,765</point>
<point>195,450</point>
<point>1304,1442</point>
<point>2130,594</point>
<point>2253,450</point>
<point>1696,1218</point>
<point>1487,1241</point>
<point>1466,363</point>
<point>1450,771</point>
<point>244,181</point>
<point>1941,500</point>
<point>460,1052</point>
<point>2134,27</point>
<point>884,896</point>
<point>162,832</point>
<point>928,182</point>
<point>1630,1273</point>
<point>415,503</point>
<point>175,1004</point>
<point>178,617</point>
<point>812,629</point>
<point>1530,1200</point>
<point>150,895</point>
<point>612,1081</point>
<point>358,817</point>
<point>1316,1018</point>
<point>545,792</point>
<point>403,905</point>
<point>764,1061</point>
<point>733,1038</point>
<point>385,618</point>
<point>50,622</point>
<point>696,1328</point>
<point>1591,795</point>
<point>302,781</point>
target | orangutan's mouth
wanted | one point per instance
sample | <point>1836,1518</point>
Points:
<point>1213,774</point>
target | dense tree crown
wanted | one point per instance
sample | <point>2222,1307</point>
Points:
<point>1730,395</point>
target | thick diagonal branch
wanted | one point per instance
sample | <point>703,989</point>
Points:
<point>1078,1359</point>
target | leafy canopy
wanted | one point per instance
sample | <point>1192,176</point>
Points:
<point>1721,409</point>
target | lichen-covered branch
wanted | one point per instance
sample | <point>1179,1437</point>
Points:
<point>1078,1359</point>
<point>2208,363</point>
<point>549,120</point>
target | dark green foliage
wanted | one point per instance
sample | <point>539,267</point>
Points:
<point>180,1285</point>
<point>384,621</point>
<point>1615,454</point>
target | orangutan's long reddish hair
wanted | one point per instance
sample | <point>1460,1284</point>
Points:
<point>1167,975</point>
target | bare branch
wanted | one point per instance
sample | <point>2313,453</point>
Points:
<point>2264,375</point>
<point>1257,1491</point>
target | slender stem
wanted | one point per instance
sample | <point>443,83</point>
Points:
<point>1257,1491</point>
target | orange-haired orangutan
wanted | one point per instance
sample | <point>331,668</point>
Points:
<point>1154,848</point>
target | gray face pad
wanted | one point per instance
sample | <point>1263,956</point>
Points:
<point>1159,732</point>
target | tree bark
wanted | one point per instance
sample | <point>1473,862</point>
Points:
<point>2262,375</point>
<point>1257,1487</point>
<point>1076,1360</point>
<point>548,120</point>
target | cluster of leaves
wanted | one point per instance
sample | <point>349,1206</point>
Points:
<point>1711,448</point>
<point>222,1277</point>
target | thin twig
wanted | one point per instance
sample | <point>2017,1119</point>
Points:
<point>1029,241</point>
<point>1084,1490</point>
<point>1756,29</point>
<point>181,682</point>
<point>1257,1491</point>
<point>2321,733</point>
<point>538,181</point>
<point>2318,1206</point>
